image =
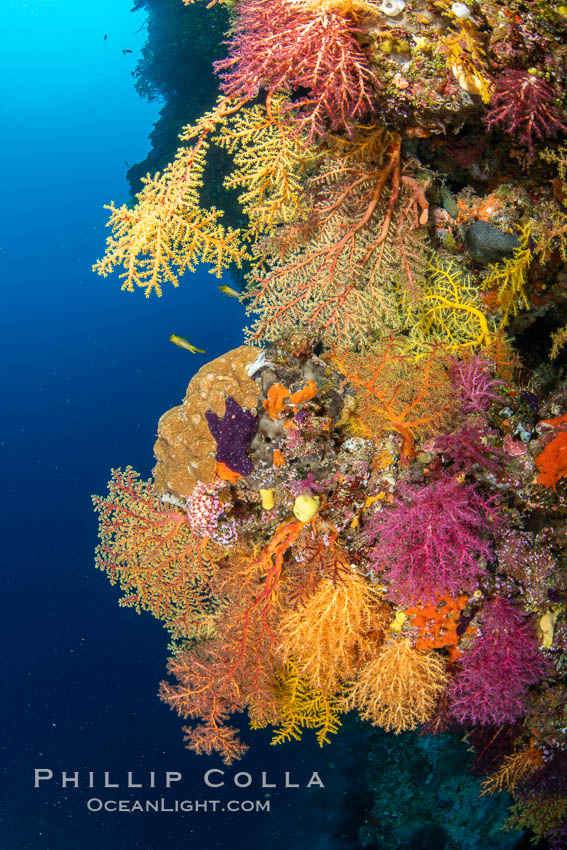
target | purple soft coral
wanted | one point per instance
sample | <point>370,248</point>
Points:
<point>469,448</point>
<point>431,541</point>
<point>475,383</point>
<point>501,664</point>
<point>233,433</point>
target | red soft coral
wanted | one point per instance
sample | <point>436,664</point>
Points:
<point>501,664</point>
<point>432,541</point>
<point>283,46</point>
<point>524,105</point>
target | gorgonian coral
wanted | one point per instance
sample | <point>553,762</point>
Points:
<point>501,664</point>
<point>282,46</point>
<point>524,105</point>
<point>432,540</point>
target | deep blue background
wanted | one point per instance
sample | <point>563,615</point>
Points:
<point>87,371</point>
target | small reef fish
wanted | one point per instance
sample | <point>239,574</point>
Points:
<point>181,342</point>
<point>229,290</point>
<point>125,51</point>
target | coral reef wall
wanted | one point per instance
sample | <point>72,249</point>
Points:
<point>363,509</point>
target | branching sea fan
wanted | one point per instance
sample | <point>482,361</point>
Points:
<point>288,47</point>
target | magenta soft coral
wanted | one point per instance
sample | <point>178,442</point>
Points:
<point>524,105</point>
<point>282,46</point>
<point>432,540</point>
<point>475,383</point>
<point>501,664</point>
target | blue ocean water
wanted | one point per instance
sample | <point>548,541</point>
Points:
<point>87,371</point>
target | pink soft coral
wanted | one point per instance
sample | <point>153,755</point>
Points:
<point>283,46</point>
<point>524,105</point>
<point>501,664</point>
<point>475,383</point>
<point>432,541</point>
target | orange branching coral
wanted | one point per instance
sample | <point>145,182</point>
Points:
<point>396,393</point>
<point>335,628</point>
<point>148,547</point>
<point>335,274</point>
<point>235,670</point>
<point>552,461</point>
<point>437,623</point>
<point>398,689</point>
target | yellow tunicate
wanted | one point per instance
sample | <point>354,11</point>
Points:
<point>391,46</point>
<point>546,627</point>
<point>305,507</point>
<point>267,497</point>
<point>397,623</point>
<point>423,44</point>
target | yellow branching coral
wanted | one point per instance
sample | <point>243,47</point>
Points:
<point>541,814</point>
<point>367,144</point>
<point>394,393</point>
<point>450,312</point>
<point>514,768</point>
<point>166,232</point>
<point>398,689</point>
<point>558,340</point>
<point>559,157</point>
<point>301,707</point>
<point>552,232</point>
<point>509,278</point>
<point>329,634</point>
<point>348,8</point>
<point>270,163</point>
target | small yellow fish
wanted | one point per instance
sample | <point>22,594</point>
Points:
<point>229,290</point>
<point>181,342</point>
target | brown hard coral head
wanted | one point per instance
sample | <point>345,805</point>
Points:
<point>185,448</point>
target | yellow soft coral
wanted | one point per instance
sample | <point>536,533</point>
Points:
<point>398,689</point>
<point>509,277</point>
<point>301,707</point>
<point>269,164</point>
<point>166,232</point>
